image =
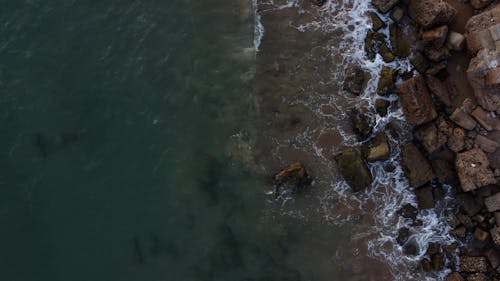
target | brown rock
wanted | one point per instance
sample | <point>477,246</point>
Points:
<point>486,144</point>
<point>492,202</point>
<point>354,80</point>
<point>492,77</point>
<point>419,61</point>
<point>459,232</point>
<point>486,95</point>
<point>473,169</point>
<point>478,35</point>
<point>426,265</point>
<point>479,4</point>
<point>293,177</point>
<point>430,13</point>
<point>408,211</point>
<point>435,37</point>
<point>377,22</point>
<point>416,101</point>
<point>384,5</point>
<point>456,142</point>
<point>437,54</point>
<point>493,257</point>
<point>455,41</point>
<point>495,235</point>
<point>437,67</point>
<point>425,197</point>
<point>397,14</point>
<point>468,203</point>
<point>454,276</point>
<point>377,148</point>
<point>430,137</point>
<point>473,264</point>
<point>354,170</point>
<point>481,235</point>
<point>416,167</point>
<point>484,118</point>
<point>479,40</point>
<point>437,261</point>
<point>361,124</point>
<point>463,119</point>
<point>381,106</point>
<point>495,32</point>
<point>386,82</point>
<point>439,89</point>
<point>477,277</point>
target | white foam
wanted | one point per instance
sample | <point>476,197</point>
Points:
<point>258,26</point>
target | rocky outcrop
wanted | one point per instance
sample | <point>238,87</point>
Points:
<point>473,170</point>
<point>416,167</point>
<point>416,101</point>
<point>354,170</point>
<point>293,177</point>
<point>429,13</point>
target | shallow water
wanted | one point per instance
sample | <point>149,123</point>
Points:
<point>139,139</point>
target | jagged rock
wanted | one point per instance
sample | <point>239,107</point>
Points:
<point>416,101</point>
<point>384,6</point>
<point>478,35</point>
<point>486,144</point>
<point>480,234</point>
<point>468,205</point>
<point>381,106</point>
<point>361,124</point>
<point>437,54</point>
<point>477,277</point>
<point>463,119</point>
<point>473,264</point>
<point>429,13</point>
<point>479,4</point>
<point>377,148</point>
<point>439,89</point>
<point>455,41</point>
<point>293,177</point>
<point>416,167</point>
<point>354,170</point>
<point>454,276</point>
<point>354,80</point>
<point>437,67</point>
<point>377,22</point>
<point>386,82</point>
<point>484,118</point>
<point>495,235</point>
<point>408,211</point>
<point>386,53</point>
<point>397,14</point>
<point>435,37</point>
<point>425,197</point>
<point>473,170</point>
<point>492,202</point>
<point>373,41</point>
<point>419,61</point>
<point>444,171</point>
<point>486,95</point>
<point>429,136</point>
<point>456,142</point>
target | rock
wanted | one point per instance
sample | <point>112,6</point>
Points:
<point>468,204</point>
<point>360,124</point>
<point>486,144</point>
<point>416,101</point>
<point>437,68</point>
<point>454,276</point>
<point>373,41</point>
<point>416,167</point>
<point>439,89</point>
<point>294,177</point>
<point>444,171</point>
<point>354,80</point>
<point>403,235</point>
<point>354,170</point>
<point>459,232</point>
<point>377,148</point>
<point>435,37</point>
<point>426,265</point>
<point>429,13</point>
<point>410,249</point>
<point>466,221</point>
<point>384,6</point>
<point>477,277</point>
<point>481,235</point>
<point>386,82</point>
<point>495,31</point>
<point>433,248</point>
<point>492,77</point>
<point>419,61</point>
<point>479,23</point>
<point>495,235</point>
<point>397,14</point>
<point>463,119</point>
<point>484,118</point>
<point>479,4</point>
<point>425,197</point>
<point>493,257</point>
<point>399,41</point>
<point>455,41</point>
<point>473,264</point>
<point>408,211</point>
<point>492,202</point>
<point>473,170</point>
<point>479,40</point>
<point>381,106</point>
<point>377,23</point>
<point>430,138</point>
<point>437,262</point>
<point>456,142</point>
<point>437,54</point>
<point>486,95</point>
<point>386,53</point>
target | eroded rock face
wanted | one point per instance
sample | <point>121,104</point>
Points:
<point>354,170</point>
<point>416,167</point>
<point>416,101</point>
<point>473,170</point>
<point>429,13</point>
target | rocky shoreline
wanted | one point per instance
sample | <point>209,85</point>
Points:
<point>456,135</point>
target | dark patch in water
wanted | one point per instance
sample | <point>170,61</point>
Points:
<point>138,250</point>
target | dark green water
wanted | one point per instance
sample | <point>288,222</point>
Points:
<point>115,115</point>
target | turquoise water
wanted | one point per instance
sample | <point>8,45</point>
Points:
<point>115,117</point>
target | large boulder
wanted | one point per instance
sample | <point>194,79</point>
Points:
<point>473,170</point>
<point>473,264</point>
<point>293,177</point>
<point>477,73</point>
<point>354,170</point>
<point>429,13</point>
<point>435,37</point>
<point>416,101</point>
<point>416,167</point>
<point>478,30</point>
<point>384,6</point>
<point>377,148</point>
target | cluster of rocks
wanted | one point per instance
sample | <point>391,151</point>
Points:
<point>456,142</point>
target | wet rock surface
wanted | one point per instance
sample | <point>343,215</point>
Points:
<point>416,167</point>
<point>354,170</point>
<point>416,101</point>
<point>473,170</point>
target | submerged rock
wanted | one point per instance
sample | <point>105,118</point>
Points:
<point>354,170</point>
<point>361,124</point>
<point>387,79</point>
<point>384,6</point>
<point>377,148</point>
<point>377,23</point>
<point>293,177</point>
<point>354,80</point>
<point>381,107</point>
